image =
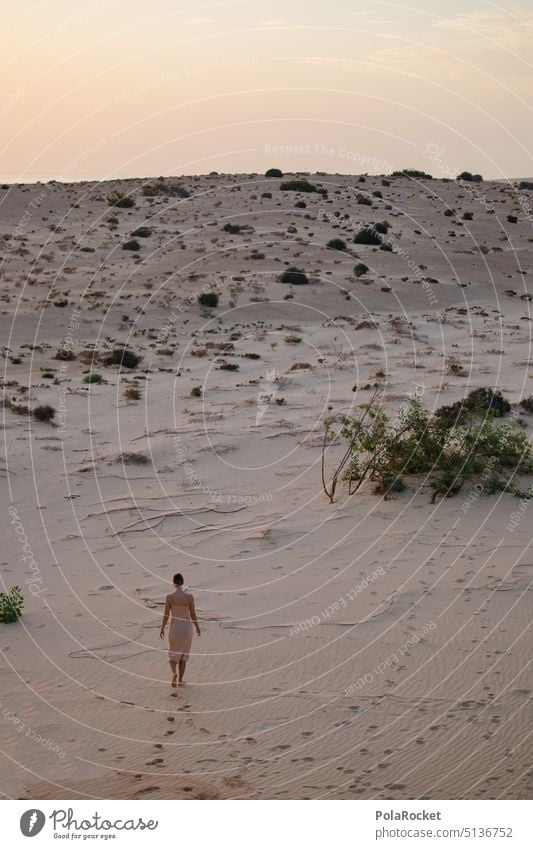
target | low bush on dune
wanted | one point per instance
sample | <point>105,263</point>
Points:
<point>367,236</point>
<point>142,232</point>
<point>164,189</point>
<point>413,173</point>
<point>467,177</point>
<point>232,228</point>
<point>298,186</point>
<point>525,184</point>
<point>360,269</point>
<point>295,276</point>
<point>93,377</point>
<point>337,245</point>
<point>122,357</point>
<point>208,299</point>
<point>132,393</point>
<point>44,413</point>
<point>429,449</point>
<point>131,245</point>
<point>120,200</point>
<point>11,605</point>
<point>274,172</point>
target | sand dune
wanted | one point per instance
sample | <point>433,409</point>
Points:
<point>361,649</point>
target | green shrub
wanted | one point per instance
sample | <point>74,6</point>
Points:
<point>224,366</point>
<point>93,377</point>
<point>122,357</point>
<point>131,245</point>
<point>44,413</point>
<point>367,236</point>
<point>468,216</point>
<point>360,269</point>
<point>416,444</point>
<point>298,186</point>
<point>11,605</point>
<point>142,232</point>
<point>337,245</point>
<point>196,392</point>
<point>120,200</point>
<point>512,219</point>
<point>208,299</point>
<point>295,276</point>
<point>274,172</point>
<point>266,195</point>
<point>232,228</point>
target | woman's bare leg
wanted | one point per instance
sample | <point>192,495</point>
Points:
<point>173,669</point>
<point>182,665</point>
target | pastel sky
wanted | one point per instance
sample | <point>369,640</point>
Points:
<point>104,88</point>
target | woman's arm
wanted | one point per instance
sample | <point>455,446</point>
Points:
<point>192,610</point>
<point>166,614</point>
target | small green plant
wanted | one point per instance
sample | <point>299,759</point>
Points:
<point>142,232</point>
<point>131,245</point>
<point>11,605</point>
<point>49,375</point>
<point>208,299</point>
<point>468,216</point>
<point>196,392</point>
<point>360,269</point>
<point>44,413</point>
<point>274,172</point>
<point>232,228</point>
<point>93,377</point>
<point>120,200</point>
<point>225,366</point>
<point>295,276</point>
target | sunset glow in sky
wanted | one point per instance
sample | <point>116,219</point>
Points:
<point>113,88</point>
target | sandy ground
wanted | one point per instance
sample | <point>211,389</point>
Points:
<point>361,649</point>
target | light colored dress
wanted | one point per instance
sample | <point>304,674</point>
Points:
<point>181,628</point>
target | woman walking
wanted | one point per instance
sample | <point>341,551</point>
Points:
<point>179,608</point>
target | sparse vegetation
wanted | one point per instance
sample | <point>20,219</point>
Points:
<point>274,172</point>
<point>196,392</point>
<point>142,232</point>
<point>360,269</point>
<point>232,228</point>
